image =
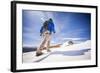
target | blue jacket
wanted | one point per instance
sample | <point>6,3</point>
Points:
<point>50,27</point>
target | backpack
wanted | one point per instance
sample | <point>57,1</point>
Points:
<point>45,25</point>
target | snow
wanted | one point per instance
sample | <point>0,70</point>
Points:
<point>83,45</point>
<point>30,57</point>
<point>73,52</point>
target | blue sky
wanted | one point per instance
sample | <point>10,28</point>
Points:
<point>68,26</point>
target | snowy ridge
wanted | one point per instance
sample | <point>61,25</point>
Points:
<point>80,46</point>
<point>73,52</point>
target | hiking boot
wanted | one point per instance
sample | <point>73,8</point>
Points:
<point>39,54</point>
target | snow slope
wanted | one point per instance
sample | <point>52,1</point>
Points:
<point>73,52</point>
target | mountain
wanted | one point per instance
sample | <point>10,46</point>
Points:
<point>60,53</point>
<point>79,46</point>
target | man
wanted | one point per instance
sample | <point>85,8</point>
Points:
<point>46,31</point>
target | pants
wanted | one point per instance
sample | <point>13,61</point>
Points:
<point>45,42</point>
